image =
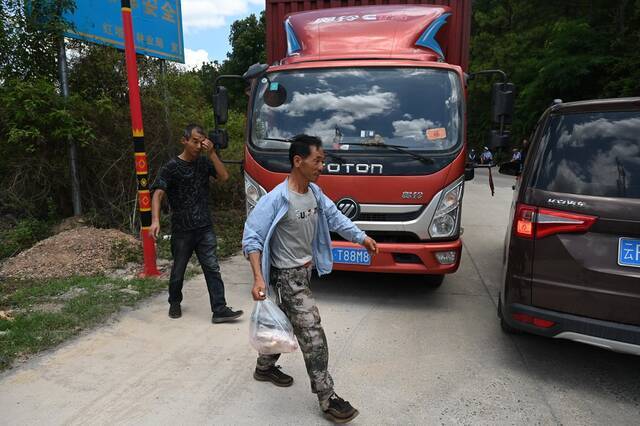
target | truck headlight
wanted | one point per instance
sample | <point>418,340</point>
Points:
<point>445,219</point>
<point>253,191</point>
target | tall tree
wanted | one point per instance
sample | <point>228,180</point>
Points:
<point>247,39</point>
<point>29,37</point>
<point>572,50</point>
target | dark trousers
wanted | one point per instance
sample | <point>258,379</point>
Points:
<point>204,243</point>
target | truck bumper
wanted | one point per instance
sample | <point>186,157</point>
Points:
<point>412,258</point>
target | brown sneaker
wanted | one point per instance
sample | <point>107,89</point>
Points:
<point>338,410</point>
<point>273,375</point>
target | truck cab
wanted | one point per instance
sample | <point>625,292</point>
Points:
<point>383,87</point>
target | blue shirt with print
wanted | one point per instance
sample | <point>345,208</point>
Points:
<point>263,219</point>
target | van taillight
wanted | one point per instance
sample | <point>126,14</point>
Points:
<point>530,319</point>
<point>530,221</point>
<point>550,222</point>
<point>524,220</point>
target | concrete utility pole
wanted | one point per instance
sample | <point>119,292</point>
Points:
<point>73,152</point>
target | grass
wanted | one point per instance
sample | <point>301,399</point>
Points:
<point>44,313</point>
<point>39,314</point>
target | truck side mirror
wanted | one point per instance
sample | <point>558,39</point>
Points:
<point>502,102</point>
<point>221,105</point>
<point>220,138</point>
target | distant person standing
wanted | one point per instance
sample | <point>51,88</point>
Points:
<point>516,155</point>
<point>472,156</point>
<point>185,180</point>
<point>525,148</point>
<point>486,157</point>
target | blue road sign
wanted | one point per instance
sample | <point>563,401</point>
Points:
<point>157,26</point>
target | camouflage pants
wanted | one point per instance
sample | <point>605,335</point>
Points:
<point>297,302</point>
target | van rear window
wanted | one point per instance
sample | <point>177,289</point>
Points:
<point>595,153</point>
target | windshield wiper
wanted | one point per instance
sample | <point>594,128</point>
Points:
<point>398,148</point>
<point>336,157</point>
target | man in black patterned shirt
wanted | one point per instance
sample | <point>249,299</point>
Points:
<point>185,180</point>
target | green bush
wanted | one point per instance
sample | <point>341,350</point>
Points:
<point>25,234</point>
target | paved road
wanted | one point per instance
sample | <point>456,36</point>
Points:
<point>401,352</point>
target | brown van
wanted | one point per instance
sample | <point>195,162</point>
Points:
<point>572,250</point>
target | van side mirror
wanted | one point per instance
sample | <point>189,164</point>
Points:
<point>221,105</point>
<point>502,102</point>
<point>219,138</point>
<point>512,168</point>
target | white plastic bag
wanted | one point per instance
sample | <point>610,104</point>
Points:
<point>270,331</point>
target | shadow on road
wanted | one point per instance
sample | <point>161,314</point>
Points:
<point>370,288</point>
<point>569,366</point>
<point>563,368</point>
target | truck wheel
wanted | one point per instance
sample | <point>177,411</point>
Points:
<point>434,281</point>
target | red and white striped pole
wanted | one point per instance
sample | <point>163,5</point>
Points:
<point>140,156</point>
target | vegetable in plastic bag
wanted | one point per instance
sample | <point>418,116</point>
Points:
<point>270,331</point>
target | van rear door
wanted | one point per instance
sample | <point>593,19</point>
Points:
<point>586,187</point>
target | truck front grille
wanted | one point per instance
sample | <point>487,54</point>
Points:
<point>385,237</point>
<point>389,217</point>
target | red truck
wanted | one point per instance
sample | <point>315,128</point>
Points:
<point>384,88</point>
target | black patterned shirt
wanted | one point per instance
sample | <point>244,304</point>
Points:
<point>186,184</point>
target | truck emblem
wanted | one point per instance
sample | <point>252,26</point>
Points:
<point>412,195</point>
<point>349,207</point>
<point>361,169</point>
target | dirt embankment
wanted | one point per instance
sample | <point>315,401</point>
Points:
<point>79,251</point>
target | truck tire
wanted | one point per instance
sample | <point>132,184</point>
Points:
<point>434,281</point>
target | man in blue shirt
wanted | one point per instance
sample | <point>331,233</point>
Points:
<point>285,235</point>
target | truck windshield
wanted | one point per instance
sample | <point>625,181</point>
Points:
<point>352,108</point>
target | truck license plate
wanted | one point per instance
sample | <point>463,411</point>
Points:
<point>354,256</point>
<point>629,252</point>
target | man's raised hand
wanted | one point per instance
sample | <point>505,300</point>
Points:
<point>207,145</point>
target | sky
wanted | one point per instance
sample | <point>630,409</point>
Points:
<point>206,25</point>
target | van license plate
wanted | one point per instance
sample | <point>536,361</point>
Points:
<point>629,252</point>
<point>353,256</point>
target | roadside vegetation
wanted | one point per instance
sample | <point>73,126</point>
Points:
<point>38,314</point>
